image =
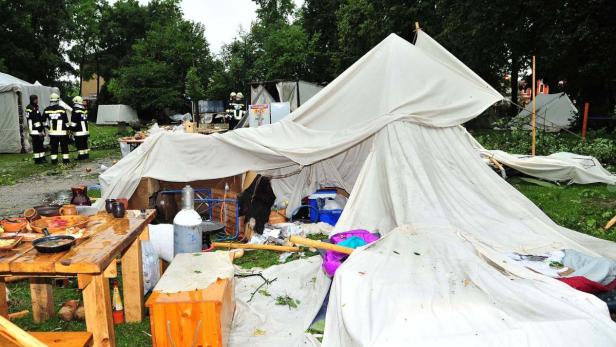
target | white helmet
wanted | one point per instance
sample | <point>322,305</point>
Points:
<point>240,96</point>
<point>232,95</point>
<point>54,98</point>
<point>78,100</point>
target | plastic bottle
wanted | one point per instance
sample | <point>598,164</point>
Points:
<point>187,225</point>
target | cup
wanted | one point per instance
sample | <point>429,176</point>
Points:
<point>109,205</point>
<point>118,210</point>
<point>31,214</point>
<point>68,210</point>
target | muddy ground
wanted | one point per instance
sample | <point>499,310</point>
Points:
<point>47,188</point>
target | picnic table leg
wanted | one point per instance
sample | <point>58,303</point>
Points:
<point>4,306</point>
<point>41,292</point>
<point>97,304</point>
<point>132,283</point>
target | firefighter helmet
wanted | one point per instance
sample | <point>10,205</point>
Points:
<point>54,97</point>
<point>78,100</point>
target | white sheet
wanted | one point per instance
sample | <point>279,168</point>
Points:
<point>263,323</point>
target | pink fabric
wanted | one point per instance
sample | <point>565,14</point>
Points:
<point>332,260</point>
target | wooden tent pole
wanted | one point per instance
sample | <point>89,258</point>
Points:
<point>534,118</point>
<point>416,26</point>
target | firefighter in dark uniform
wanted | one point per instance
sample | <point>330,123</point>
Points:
<point>36,129</point>
<point>58,125</point>
<point>79,126</point>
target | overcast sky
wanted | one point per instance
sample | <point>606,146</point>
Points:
<point>222,18</point>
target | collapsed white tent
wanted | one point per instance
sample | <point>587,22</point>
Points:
<point>556,167</point>
<point>554,113</point>
<point>387,130</point>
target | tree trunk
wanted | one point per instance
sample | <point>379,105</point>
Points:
<point>515,70</point>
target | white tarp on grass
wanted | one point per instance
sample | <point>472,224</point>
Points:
<point>387,130</point>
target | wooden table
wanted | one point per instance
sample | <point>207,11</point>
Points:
<point>93,261</point>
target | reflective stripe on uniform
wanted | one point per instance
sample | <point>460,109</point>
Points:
<point>34,132</point>
<point>42,155</point>
<point>82,151</point>
<point>55,111</point>
<point>54,156</point>
<point>65,156</point>
<point>57,132</point>
<point>72,124</point>
<point>37,124</point>
<point>81,133</point>
<point>36,155</point>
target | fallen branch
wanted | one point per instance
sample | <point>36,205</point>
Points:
<point>229,245</point>
<point>265,282</point>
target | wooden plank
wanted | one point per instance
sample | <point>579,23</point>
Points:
<point>41,293</point>
<point>108,240</point>
<point>4,305</point>
<point>6,257</point>
<point>132,284</point>
<point>17,335</point>
<point>83,280</point>
<point>97,304</point>
<point>112,270</point>
<point>34,262</point>
<point>64,338</point>
<point>230,245</point>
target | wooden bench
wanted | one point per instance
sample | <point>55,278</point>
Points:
<point>13,336</point>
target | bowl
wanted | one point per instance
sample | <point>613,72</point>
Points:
<point>13,225</point>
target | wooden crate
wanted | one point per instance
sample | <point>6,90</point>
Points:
<point>200,317</point>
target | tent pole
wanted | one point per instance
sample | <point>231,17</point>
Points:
<point>534,118</point>
<point>585,121</point>
<point>416,26</point>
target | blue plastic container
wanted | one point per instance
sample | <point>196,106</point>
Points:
<point>317,200</point>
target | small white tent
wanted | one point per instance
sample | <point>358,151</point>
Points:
<point>14,93</point>
<point>387,130</point>
<point>112,114</point>
<point>296,93</point>
<point>554,113</point>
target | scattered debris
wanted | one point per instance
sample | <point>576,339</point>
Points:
<point>287,301</point>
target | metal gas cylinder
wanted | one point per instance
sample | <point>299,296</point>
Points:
<point>187,225</point>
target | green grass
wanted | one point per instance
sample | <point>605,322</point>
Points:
<point>13,167</point>
<point>127,335</point>
<point>585,208</point>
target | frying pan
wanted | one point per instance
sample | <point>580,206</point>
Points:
<point>39,244</point>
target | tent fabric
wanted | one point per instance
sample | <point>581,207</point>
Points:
<point>387,129</point>
<point>554,113</point>
<point>438,286</point>
<point>112,114</point>
<point>260,95</point>
<point>393,82</point>
<point>288,93</point>
<point>556,167</point>
<point>11,89</point>
<point>10,139</point>
<point>307,90</point>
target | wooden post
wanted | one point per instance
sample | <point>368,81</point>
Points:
<point>585,121</point>
<point>97,304</point>
<point>41,293</point>
<point>4,306</point>
<point>416,26</point>
<point>534,117</point>
<point>132,284</point>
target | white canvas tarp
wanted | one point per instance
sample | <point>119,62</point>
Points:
<point>387,130</point>
<point>112,114</point>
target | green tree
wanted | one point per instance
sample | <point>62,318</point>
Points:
<point>32,34</point>
<point>153,78</point>
<point>194,85</point>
